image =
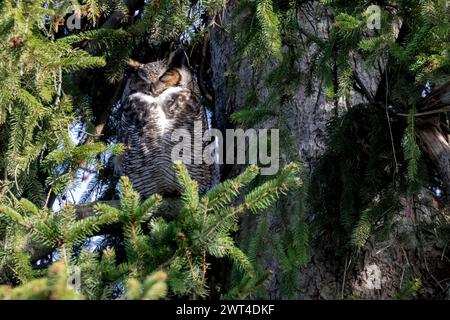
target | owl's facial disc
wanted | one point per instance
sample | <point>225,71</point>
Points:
<point>156,77</point>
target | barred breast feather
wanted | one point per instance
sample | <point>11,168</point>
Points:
<point>146,129</point>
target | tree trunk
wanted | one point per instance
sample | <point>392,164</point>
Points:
<point>437,148</point>
<point>381,269</point>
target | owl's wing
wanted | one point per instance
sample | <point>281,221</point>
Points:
<point>127,121</point>
<point>123,133</point>
<point>190,110</point>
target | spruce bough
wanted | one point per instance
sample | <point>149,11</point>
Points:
<point>163,257</point>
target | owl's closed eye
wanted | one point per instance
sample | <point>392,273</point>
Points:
<point>177,74</point>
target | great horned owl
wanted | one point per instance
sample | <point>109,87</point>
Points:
<point>159,98</point>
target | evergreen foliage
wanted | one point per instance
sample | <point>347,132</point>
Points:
<point>411,43</point>
<point>59,105</point>
<point>266,35</point>
<point>383,162</point>
<point>359,181</point>
<point>412,154</point>
<point>409,290</point>
<point>36,110</point>
<point>373,155</point>
<point>162,257</point>
<point>53,287</point>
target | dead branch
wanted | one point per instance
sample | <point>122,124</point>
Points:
<point>168,209</point>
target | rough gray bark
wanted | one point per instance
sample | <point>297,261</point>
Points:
<point>437,147</point>
<point>381,269</point>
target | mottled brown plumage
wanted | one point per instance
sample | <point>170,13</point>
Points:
<point>157,100</point>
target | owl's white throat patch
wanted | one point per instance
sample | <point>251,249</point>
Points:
<point>156,103</point>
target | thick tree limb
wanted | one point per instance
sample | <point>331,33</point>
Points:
<point>37,251</point>
<point>104,114</point>
<point>437,99</point>
<point>432,133</point>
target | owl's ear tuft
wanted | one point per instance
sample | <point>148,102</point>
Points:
<point>133,64</point>
<point>177,59</point>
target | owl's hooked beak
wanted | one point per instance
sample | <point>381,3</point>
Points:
<point>149,88</point>
<point>152,89</point>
